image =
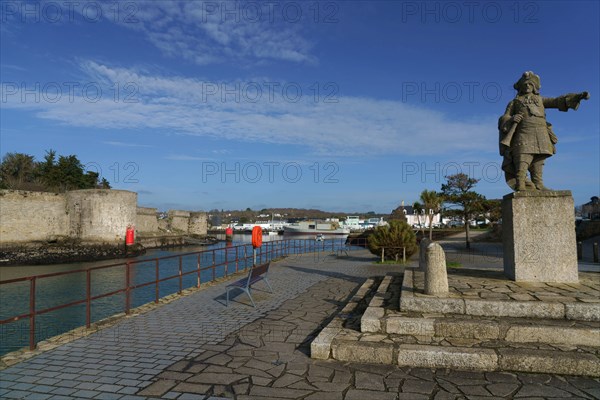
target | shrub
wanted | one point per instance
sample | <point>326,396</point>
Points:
<point>392,237</point>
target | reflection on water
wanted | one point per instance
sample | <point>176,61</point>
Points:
<point>227,258</point>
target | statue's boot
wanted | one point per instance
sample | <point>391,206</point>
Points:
<point>537,170</point>
<point>522,177</point>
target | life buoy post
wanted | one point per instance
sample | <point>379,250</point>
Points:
<point>229,234</point>
<point>256,241</point>
<point>130,235</point>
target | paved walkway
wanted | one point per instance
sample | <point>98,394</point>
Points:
<point>196,348</point>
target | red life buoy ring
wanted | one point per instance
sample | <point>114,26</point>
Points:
<point>256,237</point>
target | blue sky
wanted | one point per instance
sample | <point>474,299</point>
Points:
<point>342,106</point>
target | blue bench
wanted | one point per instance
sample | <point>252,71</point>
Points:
<point>256,274</point>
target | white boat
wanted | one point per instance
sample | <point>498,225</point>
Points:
<point>314,228</point>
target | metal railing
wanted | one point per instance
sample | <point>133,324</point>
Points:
<point>209,266</point>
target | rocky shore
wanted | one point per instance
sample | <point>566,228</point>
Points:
<point>68,250</point>
<point>61,252</point>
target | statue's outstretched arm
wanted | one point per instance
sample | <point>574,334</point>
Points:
<point>564,102</point>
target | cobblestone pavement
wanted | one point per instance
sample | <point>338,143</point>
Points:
<point>196,348</point>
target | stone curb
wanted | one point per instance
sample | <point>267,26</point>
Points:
<point>371,318</point>
<point>320,347</point>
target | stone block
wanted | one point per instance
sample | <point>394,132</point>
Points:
<point>377,301</point>
<point>320,348</point>
<point>371,319</point>
<point>527,309</point>
<point>410,326</point>
<point>463,358</point>
<point>549,362</point>
<point>436,276</point>
<point>582,311</point>
<point>363,352</point>
<point>430,305</point>
<point>468,329</point>
<point>554,335</point>
<point>539,236</point>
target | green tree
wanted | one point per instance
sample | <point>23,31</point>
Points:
<point>432,204</point>
<point>393,237</point>
<point>493,210</point>
<point>17,170</point>
<point>104,184</point>
<point>457,192</point>
<point>21,171</point>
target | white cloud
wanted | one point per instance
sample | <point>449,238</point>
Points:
<point>352,126</point>
<point>206,32</point>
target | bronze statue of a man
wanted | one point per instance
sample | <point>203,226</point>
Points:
<point>526,139</point>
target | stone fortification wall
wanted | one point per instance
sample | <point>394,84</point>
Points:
<point>101,215</point>
<point>147,219</point>
<point>89,215</point>
<point>32,216</point>
<point>179,220</point>
<point>198,223</point>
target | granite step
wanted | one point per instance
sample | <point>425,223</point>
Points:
<point>517,330</point>
<point>474,356</point>
<point>458,341</point>
<point>379,317</point>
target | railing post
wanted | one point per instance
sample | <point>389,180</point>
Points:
<point>180,276</point>
<point>198,268</point>
<point>32,314</point>
<point>156,288</point>
<point>579,250</point>
<point>595,250</point>
<point>127,287</point>
<point>88,298</point>
<point>404,255</point>
<point>382,254</point>
<point>226,261</point>
<point>213,265</point>
<point>237,258</point>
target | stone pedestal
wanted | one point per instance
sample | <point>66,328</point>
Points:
<point>538,235</point>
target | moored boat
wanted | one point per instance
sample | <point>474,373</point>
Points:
<point>314,228</point>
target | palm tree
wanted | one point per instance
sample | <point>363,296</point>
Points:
<point>418,208</point>
<point>432,203</point>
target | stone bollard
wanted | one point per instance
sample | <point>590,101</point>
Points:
<point>423,252</point>
<point>436,276</point>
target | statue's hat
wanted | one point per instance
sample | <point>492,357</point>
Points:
<point>528,76</point>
